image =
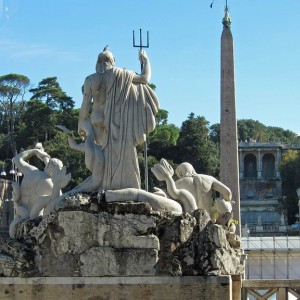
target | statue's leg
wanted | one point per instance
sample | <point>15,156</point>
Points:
<point>157,202</point>
<point>122,195</point>
<point>49,207</point>
<point>12,227</point>
<point>98,168</point>
<point>98,130</point>
<point>38,206</point>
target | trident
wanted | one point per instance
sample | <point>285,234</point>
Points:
<point>211,5</point>
<point>141,46</point>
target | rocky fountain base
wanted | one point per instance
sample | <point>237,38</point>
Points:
<point>87,240</point>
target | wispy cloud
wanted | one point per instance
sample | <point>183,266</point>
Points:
<point>14,49</point>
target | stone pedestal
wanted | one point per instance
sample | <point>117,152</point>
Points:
<point>113,288</point>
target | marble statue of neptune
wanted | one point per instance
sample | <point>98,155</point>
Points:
<point>121,107</point>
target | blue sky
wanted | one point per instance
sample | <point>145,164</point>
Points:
<point>41,38</point>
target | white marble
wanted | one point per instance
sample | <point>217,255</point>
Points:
<point>122,108</point>
<point>191,192</point>
<point>38,188</point>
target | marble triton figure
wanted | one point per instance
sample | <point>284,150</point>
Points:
<point>38,188</point>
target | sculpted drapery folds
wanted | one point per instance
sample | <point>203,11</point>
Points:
<point>122,112</point>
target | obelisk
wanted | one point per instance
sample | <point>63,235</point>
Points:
<point>229,168</point>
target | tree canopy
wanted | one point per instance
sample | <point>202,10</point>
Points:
<point>290,174</point>
<point>164,136</point>
<point>50,91</point>
<point>12,90</point>
<point>195,147</point>
<point>254,131</point>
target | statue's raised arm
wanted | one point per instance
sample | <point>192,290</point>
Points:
<point>23,166</point>
<point>145,75</point>
<point>86,104</point>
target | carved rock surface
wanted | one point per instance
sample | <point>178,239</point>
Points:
<point>88,237</point>
<point>16,259</point>
<point>107,261</point>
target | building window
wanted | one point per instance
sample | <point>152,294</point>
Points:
<point>268,166</point>
<point>250,166</point>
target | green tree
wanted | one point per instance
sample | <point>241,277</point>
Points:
<point>290,173</point>
<point>68,118</point>
<point>195,147</point>
<point>251,130</point>
<point>162,117</point>
<point>36,122</point>
<point>163,137</point>
<point>50,102</point>
<point>214,133</point>
<point>12,90</point>
<point>51,92</point>
<point>277,134</point>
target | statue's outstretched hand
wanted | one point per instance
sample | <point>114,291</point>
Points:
<point>163,170</point>
<point>81,131</point>
<point>42,155</point>
<point>143,56</point>
<point>159,192</point>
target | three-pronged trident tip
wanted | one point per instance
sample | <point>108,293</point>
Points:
<point>141,46</point>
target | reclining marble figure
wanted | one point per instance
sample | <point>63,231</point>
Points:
<point>191,191</point>
<point>201,186</point>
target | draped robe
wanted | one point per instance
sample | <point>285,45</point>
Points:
<point>129,115</point>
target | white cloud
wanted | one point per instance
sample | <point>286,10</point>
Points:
<point>14,49</point>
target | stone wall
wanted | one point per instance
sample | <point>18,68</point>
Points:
<point>92,288</point>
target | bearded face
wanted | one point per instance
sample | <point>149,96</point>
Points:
<point>102,67</point>
<point>105,62</point>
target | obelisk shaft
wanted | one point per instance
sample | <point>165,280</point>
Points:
<point>229,168</point>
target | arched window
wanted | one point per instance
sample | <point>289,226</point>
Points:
<point>268,166</point>
<point>250,166</point>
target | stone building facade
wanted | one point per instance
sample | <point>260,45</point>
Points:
<point>262,209</point>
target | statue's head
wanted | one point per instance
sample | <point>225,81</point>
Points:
<point>105,61</point>
<point>53,167</point>
<point>185,170</point>
<point>39,146</point>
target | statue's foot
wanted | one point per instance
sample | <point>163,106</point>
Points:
<point>101,196</point>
